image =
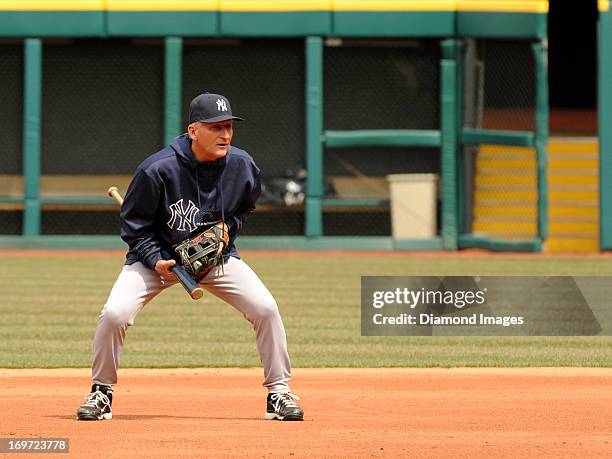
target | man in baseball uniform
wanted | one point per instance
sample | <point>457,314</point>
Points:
<point>200,177</point>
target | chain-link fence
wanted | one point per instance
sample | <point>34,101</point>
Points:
<point>264,81</point>
<point>11,119</point>
<point>376,84</point>
<point>501,181</point>
<point>102,114</point>
<point>11,96</point>
<point>274,220</point>
<point>80,222</point>
<point>102,108</point>
<point>11,221</point>
<point>509,84</point>
<point>382,84</point>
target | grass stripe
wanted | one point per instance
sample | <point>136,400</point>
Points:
<point>48,319</point>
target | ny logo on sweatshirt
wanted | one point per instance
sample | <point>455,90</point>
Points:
<point>183,218</point>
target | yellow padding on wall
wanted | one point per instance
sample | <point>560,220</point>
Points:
<point>275,5</point>
<point>604,5</point>
<point>394,5</point>
<point>509,6</point>
<point>163,5</point>
<point>46,5</point>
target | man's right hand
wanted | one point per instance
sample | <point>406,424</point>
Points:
<point>163,268</point>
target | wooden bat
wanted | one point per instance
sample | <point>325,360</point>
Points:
<point>195,291</point>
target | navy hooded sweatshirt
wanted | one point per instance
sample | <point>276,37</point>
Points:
<point>172,194</point>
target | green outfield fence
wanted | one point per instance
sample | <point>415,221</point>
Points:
<point>336,98</point>
<point>605,120</point>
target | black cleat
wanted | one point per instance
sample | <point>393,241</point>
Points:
<point>282,406</point>
<point>97,404</point>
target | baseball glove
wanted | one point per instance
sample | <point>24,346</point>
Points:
<point>203,252</point>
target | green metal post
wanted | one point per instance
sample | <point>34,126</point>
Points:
<point>314,134</point>
<point>172,87</point>
<point>605,133</point>
<point>540,50</point>
<point>460,165</point>
<point>448,109</point>
<point>32,95</point>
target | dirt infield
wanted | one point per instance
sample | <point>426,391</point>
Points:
<point>550,412</point>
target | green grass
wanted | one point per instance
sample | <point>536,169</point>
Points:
<point>49,307</point>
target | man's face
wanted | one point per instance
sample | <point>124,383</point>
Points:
<point>210,141</point>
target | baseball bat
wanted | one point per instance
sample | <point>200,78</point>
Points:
<point>195,291</point>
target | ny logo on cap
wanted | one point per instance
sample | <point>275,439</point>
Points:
<point>221,106</point>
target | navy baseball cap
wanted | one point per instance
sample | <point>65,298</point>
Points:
<point>211,108</point>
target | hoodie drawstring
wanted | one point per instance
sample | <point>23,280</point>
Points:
<point>220,188</point>
<point>199,199</point>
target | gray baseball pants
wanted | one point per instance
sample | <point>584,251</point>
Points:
<point>239,286</point>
